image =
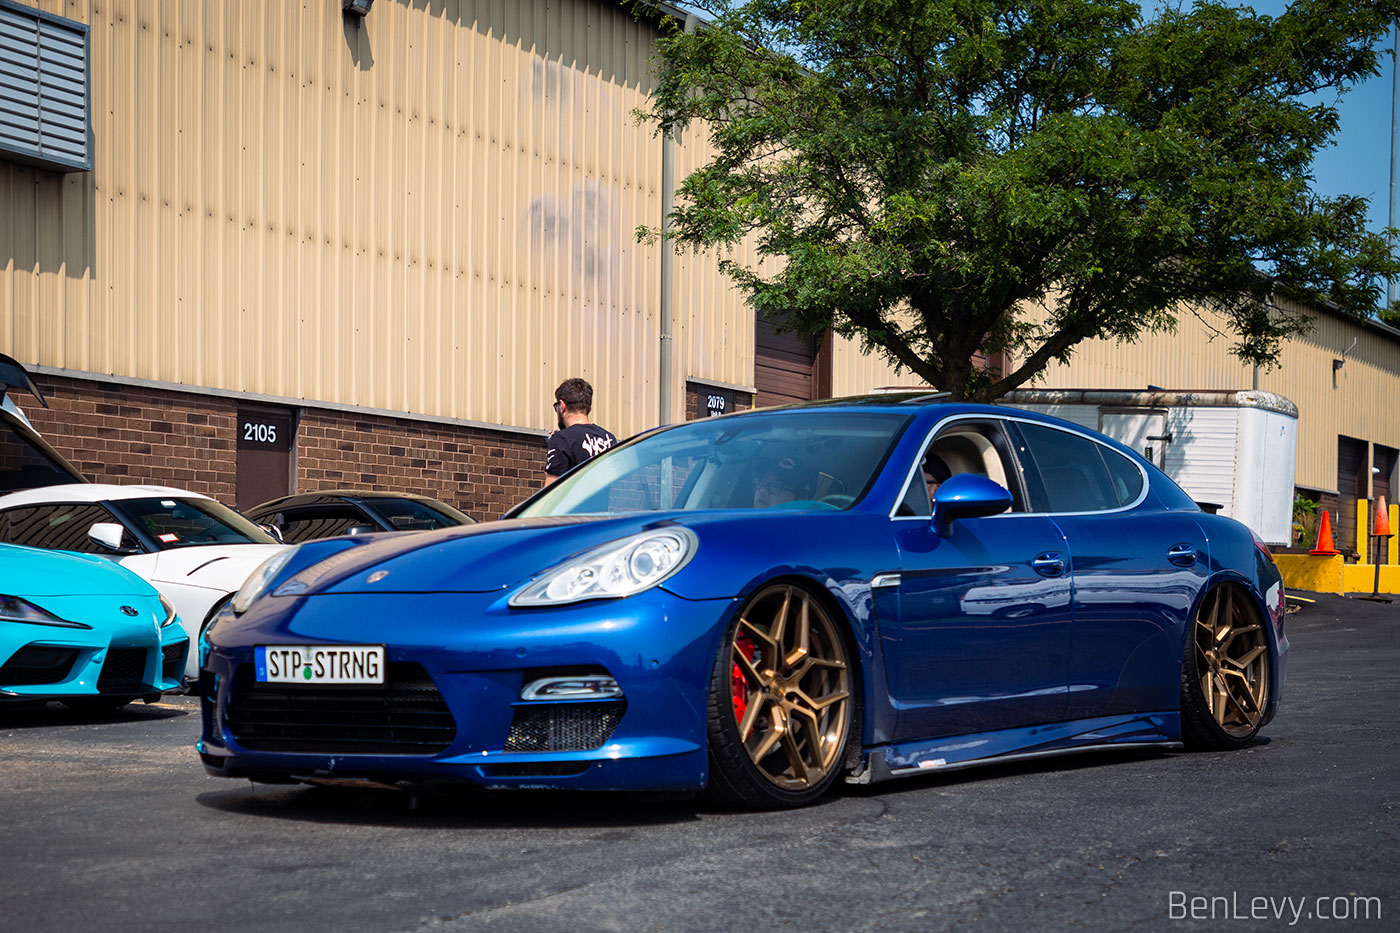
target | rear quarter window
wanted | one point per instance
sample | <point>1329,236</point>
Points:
<point>1078,474</point>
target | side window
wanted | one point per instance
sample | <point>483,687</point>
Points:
<point>300,525</point>
<point>57,527</point>
<point>976,447</point>
<point>1077,474</point>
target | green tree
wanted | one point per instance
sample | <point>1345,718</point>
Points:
<point>925,168</point>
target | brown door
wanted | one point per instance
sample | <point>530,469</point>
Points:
<point>1382,477</point>
<point>1384,474</point>
<point>264,454</point>
<point>787,367</point>
<point>1351,485</point>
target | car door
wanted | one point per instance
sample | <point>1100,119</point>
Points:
<point>1137,570</point>
<point>977,638</point>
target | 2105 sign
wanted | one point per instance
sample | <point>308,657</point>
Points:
<point>262,430</point>
<point>261,433</point>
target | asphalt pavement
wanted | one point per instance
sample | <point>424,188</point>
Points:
<point>111,824</point>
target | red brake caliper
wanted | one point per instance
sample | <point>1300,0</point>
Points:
<point>738,683</point>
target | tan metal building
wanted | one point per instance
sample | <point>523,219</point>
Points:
<point>374,236</point>
<point>383,240</point>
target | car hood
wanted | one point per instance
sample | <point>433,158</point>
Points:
<point>31,572</point>
<point>218,566</point>
<point>479,558</point>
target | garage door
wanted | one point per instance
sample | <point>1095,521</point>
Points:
<point>1351,484</point>
<point>784,366</point>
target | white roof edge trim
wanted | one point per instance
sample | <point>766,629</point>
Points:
<point>1155,398</point>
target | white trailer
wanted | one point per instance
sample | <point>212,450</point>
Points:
<point>1232,448</point>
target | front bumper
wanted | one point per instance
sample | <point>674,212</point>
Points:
<point>478,654</point>
<point>44,663</point>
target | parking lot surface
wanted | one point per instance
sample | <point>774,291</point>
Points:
<point>111,824</point>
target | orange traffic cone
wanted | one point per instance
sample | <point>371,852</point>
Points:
<point>1382,526</point>
<point>1324,537</point>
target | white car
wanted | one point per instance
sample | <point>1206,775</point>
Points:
<point>193,549</point>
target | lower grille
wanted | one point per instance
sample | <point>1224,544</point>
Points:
<point>124,671</point>
<point>542,769</point>
<point>37,664</point>
<point>563,727</point>
<point>172,658</point>
<point>404,716</point>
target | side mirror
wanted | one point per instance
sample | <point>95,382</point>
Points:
<point>108,535</point>
<point>361,530</point>
<point>274,531</point>
<point>967,495</point>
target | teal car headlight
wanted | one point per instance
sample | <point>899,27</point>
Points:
<point>259,580</point>
<point>613,570</point>
<point>14,609</point>
<point>170,614</point>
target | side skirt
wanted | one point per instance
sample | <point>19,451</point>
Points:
<point>929,756</point>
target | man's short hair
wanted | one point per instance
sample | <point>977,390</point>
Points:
<point>576,394</point>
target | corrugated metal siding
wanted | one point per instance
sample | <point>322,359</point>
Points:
<point>1202,454</point>
<point>43,89</point>
<point>433,211</point>
<point>856,373</point>
<point>1196,356</point>
<point>714,326</point>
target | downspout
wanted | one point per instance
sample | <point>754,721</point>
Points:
<point>668,198</point>
<point>668,204</point>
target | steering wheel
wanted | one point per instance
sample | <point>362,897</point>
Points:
<point>838,500</point>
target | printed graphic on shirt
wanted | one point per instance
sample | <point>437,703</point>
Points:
<point>574,445</point>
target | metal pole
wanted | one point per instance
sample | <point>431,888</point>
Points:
<point>1394,109</point>
<point>668,195</point>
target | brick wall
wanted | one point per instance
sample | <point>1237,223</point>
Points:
<point>128,434</point>
<point>481,472</point>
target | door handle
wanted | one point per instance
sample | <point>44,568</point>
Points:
<point>1183,555</point>
<point>1049,564</point>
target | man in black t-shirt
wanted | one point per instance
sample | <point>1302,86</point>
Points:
<point>577,439</point>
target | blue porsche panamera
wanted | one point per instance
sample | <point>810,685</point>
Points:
<point>758,605</point>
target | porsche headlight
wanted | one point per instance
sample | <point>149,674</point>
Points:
<point>170,614</point>
<point>14,609</point>
<point>259,579</point>
<point>613,570</point>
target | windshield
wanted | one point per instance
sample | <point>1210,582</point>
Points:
<point>411,515</point>
<point>173,523</point>
<point>818,460</point>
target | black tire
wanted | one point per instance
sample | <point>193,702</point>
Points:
<point>736,779</point>
<point>1224,677</point>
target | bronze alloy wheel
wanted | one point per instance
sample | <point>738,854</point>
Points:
<point>789,688</point>
<point>1231,653</point>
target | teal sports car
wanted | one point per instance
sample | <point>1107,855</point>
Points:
<point>83,630</point>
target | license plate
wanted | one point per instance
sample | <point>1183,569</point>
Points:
<point>320,664</point>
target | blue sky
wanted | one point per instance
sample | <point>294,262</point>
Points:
<point>1358,162</point>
